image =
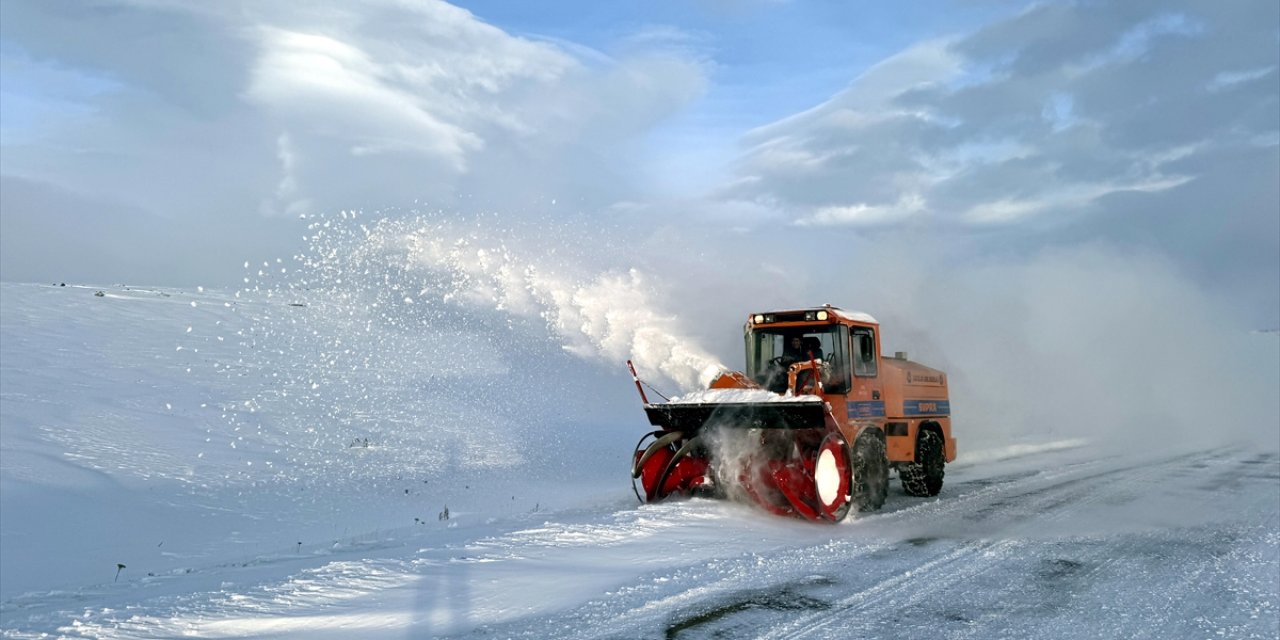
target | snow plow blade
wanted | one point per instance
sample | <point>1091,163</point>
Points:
<point>692,417</point>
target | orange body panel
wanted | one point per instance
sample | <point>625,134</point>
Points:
<point>900,399</point>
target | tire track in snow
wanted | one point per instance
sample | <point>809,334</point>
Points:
<point>863,613</point>
<point>694,590</point>
<point>1054,582</point>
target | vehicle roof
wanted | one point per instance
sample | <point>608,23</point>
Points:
<point>852,316</point>
<point>855,316</point>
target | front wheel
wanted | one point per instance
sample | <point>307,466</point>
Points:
<point>870,473</point>
<point>924,477</point>
<point>831,477</point>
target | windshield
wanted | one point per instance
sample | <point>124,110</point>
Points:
<point>771,350</point>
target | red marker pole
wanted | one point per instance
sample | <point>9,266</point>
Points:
<point>635,377</point>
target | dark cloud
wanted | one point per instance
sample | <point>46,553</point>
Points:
<point>1154,125</point>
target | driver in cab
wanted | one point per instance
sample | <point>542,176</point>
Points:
<point>799,348</point>
<point>793,350</point>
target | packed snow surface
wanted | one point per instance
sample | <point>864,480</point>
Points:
<point>302,463</point>
<point>740,395</point>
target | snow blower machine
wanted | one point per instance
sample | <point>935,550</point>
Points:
<point>810,429</point>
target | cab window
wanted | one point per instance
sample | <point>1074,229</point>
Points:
<point>768,355</point>
<point>864,352</point>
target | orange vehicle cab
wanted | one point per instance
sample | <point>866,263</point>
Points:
<point>864,388</point>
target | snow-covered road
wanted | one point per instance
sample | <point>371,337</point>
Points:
<point>1071,543</point>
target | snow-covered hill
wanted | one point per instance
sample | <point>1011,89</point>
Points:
<point>162,430</point>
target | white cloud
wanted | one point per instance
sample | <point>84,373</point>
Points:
<point>1229,79</point>
<point>1136,42</point>
<point>333,88</point>
<point>862,214</point>
<point>237,109</point>
<point>871,93</point>
<point>287,191</point>
<point>1068,197</point>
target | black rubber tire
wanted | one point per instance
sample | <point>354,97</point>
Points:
<point>870,474</point>
<point>924,478</point>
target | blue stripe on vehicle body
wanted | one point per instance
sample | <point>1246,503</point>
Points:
<point>866,409</point>
<point>926,407</point>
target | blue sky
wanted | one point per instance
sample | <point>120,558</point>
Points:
<point>765,60</point>
<point>173,135</point>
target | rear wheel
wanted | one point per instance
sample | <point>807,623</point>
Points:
<point>870,473</point>
<point>924,477</point>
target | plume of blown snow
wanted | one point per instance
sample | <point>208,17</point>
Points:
<point>608,316</point>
